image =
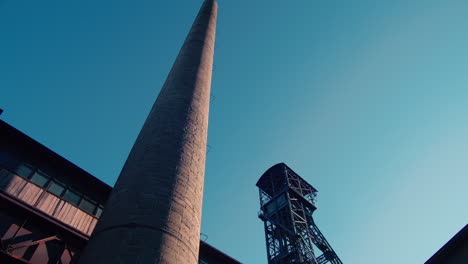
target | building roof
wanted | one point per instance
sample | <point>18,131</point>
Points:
<point>22,143</point>
<point>210,251</point>
<point>275,170</point>
<point>456,243</point>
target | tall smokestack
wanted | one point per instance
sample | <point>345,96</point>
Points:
<point>153,214</point>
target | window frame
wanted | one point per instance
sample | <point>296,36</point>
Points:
<point>45,175</point>
<point>72,190</point>
<point>59,183</point>
<point>98,207</point>
<point>90,201</point>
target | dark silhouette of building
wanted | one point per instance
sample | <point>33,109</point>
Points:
<point>455,251</point>
<point>287,202</point>
<point>49,207</point>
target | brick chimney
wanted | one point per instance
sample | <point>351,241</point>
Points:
<point>154,212</point>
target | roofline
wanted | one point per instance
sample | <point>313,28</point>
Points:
<point>287,167</point>
<point>221,253</point>
<point>445,251</point>
<point>53,153</point>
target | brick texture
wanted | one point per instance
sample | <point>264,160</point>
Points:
<point>154,212</point>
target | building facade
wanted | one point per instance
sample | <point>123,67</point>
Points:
<point>49,207</point>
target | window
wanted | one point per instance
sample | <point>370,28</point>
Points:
<point>87,205</point>
<point>98,211</point>
<point>23,170</point>
<point>5,176</point>
<point>56,188</point>
<point>40,179</point>
<point>72,197</point>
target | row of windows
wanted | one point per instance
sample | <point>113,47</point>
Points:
<point>52,185</point>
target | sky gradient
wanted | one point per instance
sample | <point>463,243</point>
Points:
<point>364,99</point>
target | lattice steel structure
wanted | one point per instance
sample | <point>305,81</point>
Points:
<point>287,202</point>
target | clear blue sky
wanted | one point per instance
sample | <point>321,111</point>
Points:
<point>365,99</point>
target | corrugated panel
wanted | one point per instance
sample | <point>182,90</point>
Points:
<point>92,226</point>
<point>86,224</point>
<point>81,217</point>
<point>30,193</point>
<point>68,218</point>
<point>82,222</point>
<point>76,218</point>
<point>48,203</point>
<point>59,209</point>
<point>15,185</point>
<point>63,211</point>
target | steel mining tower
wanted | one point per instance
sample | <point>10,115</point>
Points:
<point>286,205</point>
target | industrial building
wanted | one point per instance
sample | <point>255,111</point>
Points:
<point>455,251</point>
<point>49,207</point>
